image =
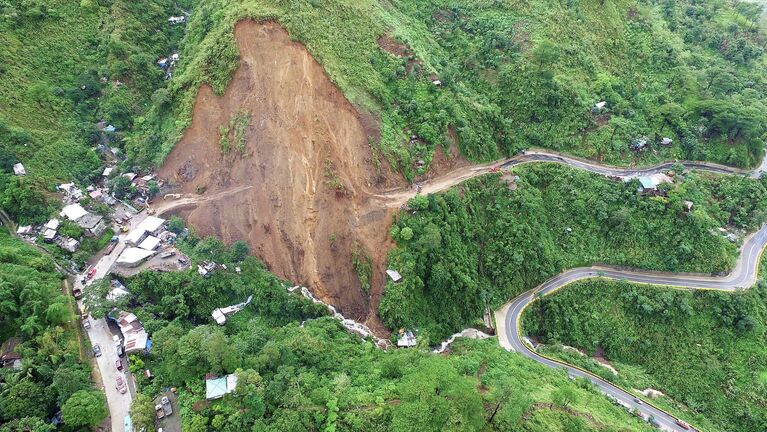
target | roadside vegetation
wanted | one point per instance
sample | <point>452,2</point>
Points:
<point>705,350</point>
<point>51,376</point>
<point>483,243</point>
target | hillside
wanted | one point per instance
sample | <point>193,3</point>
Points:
<point>514,75</point>
<point>300,370</point>
<point>706,351</point>
<point>494,237</point>
<point>53,375</point>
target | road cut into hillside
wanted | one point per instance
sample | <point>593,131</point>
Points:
<point>283,161</point>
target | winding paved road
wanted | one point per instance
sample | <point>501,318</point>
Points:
<point>509,316</point>
<point>743,276</point>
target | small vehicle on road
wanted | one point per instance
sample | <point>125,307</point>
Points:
<point>638,401</point>
<point>682,424</point>
<point>166,406</point>
<point>97,350</point>
<point>654,422</point>
<point>119,364</point>
<point>158,411</point>
<point>77,292</point>
<point>110,247</point>
<point>86,321</point>
<point>91,273</point>
<point>120,384</point>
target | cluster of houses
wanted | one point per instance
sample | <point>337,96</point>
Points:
<point>93,225</point>
<point>144,240</point>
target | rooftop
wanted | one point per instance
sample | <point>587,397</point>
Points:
<point>217,387</point>
<point>52,224</point>
<point>133,255</point>
<point>89,220</point>
<point>73,211</point>
<point>18,169</point>
<point>150,243</point>
<point>151,224</point>
<point>394,275</point>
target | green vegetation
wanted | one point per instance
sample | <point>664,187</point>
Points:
<point>363,265</point>
<point>86,408</point>
<point>33,309</point>
<point>705,350</point>
<point>299,370</point>
<point>233,132</point>
<point>511,76</point>
<point>66,66</point>
<point>483,243</point>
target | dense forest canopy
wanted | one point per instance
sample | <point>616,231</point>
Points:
<point>494,237</point>
<point>704,349</point>
<point>52,374</point>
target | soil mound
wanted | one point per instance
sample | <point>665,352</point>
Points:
<point>296,154</point>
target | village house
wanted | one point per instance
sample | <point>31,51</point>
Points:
<point>69,244</point>
<point>71,192</point>
<point>406,339</point>
<point>93,224</point>
<point>176,19</point>
<point>19,170</point>
<point>25,230</point>
<point>216,387</point>
<point>649,184</point>
<point>150,226</point>
<point>135,338</point>
<point>8,355</point>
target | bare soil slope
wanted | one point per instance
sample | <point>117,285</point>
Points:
<point>304,180</point>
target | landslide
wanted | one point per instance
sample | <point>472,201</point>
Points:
<point>304,180</point>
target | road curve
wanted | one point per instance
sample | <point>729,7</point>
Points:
<point>397,197</point>
<point>742,277</point>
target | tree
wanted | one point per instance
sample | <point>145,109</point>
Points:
<point>27,424</point>
<point>24,399</point>
<point>84,408</point>
<point>154,189</point>
<point>240,250</point>
<point>406,233</point>
<point>142,412</point>
<point>176,225</point>
<point>546,53</point>
<point>564,396</point>
<point>119,186</point>
<point>68,380</point>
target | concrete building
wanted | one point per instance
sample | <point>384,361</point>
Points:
<point>133,256</point>
<point>93,224</point>
<point>135,338</point>
<point>150,243</point>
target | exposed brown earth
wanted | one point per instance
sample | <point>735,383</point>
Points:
<point>305,181</point>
